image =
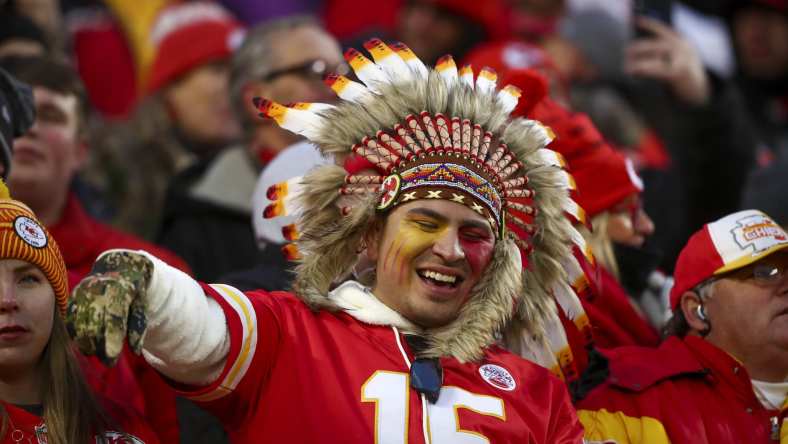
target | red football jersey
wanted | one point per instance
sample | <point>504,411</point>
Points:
<point>298,376</point>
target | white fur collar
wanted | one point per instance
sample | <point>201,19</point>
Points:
<point>359,302</point>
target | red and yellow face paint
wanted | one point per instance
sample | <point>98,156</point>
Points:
<point>418,233</point>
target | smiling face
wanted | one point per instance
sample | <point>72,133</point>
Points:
<point>430,254</point>
<point>27,307</point>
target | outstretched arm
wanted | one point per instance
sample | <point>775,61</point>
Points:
<point>165,314</point>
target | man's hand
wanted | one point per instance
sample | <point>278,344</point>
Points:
<point>668,57</point>
<point>109,304</point>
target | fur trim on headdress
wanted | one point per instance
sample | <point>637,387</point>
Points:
<point>330,236</point>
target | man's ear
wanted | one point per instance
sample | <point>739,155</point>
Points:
<point>690,304</point>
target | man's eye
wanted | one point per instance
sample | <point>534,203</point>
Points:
<point>50,115</point>
<point>425,225</point>
<point>475,237</point>
<point>765,271</point>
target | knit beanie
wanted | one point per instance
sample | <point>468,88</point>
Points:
<point>603,175</point>
<point>189,35</point>
<point>23,237</point>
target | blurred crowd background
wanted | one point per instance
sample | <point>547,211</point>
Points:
<point>167,147</point>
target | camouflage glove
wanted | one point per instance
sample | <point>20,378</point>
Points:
<point>109,304</point>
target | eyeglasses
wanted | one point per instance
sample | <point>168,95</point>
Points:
<point>312,69</point>
<point>767,271</point>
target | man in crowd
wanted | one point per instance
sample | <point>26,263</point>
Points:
<point>285,60</point>
<point>409,355</point>
<point>722,373</point>
<point>44,164</point>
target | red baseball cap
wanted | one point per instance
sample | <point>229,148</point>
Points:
<point>727,244</point>
<point>188,35</point>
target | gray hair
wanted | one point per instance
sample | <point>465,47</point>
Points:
<point>254,58</point>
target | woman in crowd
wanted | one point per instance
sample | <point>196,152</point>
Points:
<point>43,395</point>
<point>609,190</point>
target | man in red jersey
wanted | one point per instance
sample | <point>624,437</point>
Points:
<point>721,375</point>
<point>458,199</point>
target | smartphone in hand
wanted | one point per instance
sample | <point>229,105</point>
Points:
<point>654,9</point>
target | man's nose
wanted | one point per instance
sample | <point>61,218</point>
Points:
<point>447,246</point>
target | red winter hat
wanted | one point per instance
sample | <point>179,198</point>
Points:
<point>727,244</point>
<point>490,14</point>
<point>508,55</point>
<point>188,35</point>
<point>604,176</point>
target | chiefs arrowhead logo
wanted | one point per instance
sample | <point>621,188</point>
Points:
<point>498,377</point>
<point>757,233</point>
<point>30,232</point>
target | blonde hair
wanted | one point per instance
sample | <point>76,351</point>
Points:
<point>71,412</point>
<point>601,243</point>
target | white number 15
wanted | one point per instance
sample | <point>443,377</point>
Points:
<point>390,391</point>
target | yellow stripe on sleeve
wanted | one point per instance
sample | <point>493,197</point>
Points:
<point>243,307</point>
<point>601,425</point>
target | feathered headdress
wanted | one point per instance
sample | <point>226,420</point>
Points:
<point>438,133</point>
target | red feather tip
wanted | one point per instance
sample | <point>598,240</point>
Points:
<point>290,232</point>
<point>291,252</point>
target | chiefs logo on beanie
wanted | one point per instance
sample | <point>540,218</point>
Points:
<point>23,237</point>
